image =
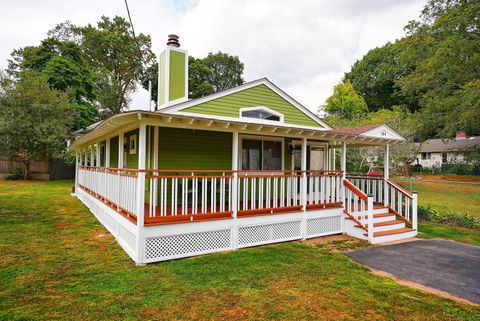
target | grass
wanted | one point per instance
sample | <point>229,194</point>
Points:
<point>58,262</point>
<point>449,197</point>
<point>430,230</point>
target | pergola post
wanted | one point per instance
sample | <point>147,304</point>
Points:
<point>386,174</point>
<point>343,168</point>
<point>140,201</point>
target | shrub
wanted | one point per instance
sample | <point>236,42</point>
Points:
<point>450,218</point>
<point>15,174</point>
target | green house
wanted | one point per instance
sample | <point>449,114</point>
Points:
<point>242,167</point>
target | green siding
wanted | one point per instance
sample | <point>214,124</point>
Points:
<point>194,149</point>
<point>177,75</point>
<point>259,95</point>
<point>162,79</point>
<point>114,152</point>
<point>131,159</point>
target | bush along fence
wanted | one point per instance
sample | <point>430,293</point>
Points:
<point>455,219</point>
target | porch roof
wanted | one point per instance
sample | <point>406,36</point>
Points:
<point>366,136</point>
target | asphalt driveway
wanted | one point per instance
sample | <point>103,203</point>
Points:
<point>439,264</point>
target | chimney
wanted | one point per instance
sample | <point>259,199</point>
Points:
<point>172,74</point>
<point>461,135</point>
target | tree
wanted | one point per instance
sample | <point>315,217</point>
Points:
<point>66,69</point>
<point>117,59</point>
<point>434,70</point>
<point>206,76</point>
<point>345,102</point>
<point>35,120</point>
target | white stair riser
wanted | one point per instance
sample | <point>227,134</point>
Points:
<point>384,219</point>
<point>388,227</point>
<point>393,237</point>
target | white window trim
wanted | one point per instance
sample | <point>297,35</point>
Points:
<point>326,165</point>
<point>134,150</point>
<point>241,138</point>
<point>266,121</point>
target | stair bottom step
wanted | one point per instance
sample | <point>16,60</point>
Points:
<point>391,232</point>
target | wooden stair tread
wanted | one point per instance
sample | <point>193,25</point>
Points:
<point>391,232</point>
<point>375,215</point>
<point>386,223</point>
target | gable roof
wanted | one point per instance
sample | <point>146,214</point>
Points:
<point>380,131</point>
<point>442,145</point>
<point>187,107</point>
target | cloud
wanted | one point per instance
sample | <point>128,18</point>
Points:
<point>303,46</point>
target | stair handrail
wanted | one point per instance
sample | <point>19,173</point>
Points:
<point>410,218</point>
<point>399,188</point>
<point>368,199</point>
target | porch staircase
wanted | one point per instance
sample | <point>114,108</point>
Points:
<point>387,226</point>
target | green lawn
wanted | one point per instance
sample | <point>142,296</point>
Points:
<point>58,262</point>
<point>451,197</point>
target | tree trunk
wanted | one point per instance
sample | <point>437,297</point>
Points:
<point>406,169</point>
<point>26,172</point>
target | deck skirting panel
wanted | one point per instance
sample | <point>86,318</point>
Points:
<point>173,241</point>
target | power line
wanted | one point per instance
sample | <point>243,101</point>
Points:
<point>141,57</point>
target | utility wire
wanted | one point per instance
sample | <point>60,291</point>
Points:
<point>141,57</point>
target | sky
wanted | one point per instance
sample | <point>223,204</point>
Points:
<point>302,46</point>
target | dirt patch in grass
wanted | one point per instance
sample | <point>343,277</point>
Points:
<point>337,243</point>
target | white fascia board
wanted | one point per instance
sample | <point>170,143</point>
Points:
<point>247,121</point>
<point>383,131</point>
<point>262,81</point>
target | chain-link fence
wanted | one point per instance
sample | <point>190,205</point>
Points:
<point>446,194</point>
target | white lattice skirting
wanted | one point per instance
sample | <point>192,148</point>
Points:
<point>166,242</point>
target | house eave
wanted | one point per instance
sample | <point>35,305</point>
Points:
<point>130,120</point>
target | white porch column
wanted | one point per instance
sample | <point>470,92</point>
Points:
<point>304,189</point>
<point>92,155</point>
<point>107,152</point>
<point>97,154</point>
<point>234,189</point>
<point>386,174</point>
<point>140,201</point>
<point>304,174</point>
<point>155,166</point>
<point>343,168</point>
<point>121,142</point>
<point>78,158</point>
<point>85,157</point>
<point>334,159</point>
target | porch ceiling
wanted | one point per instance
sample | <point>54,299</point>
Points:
<point>131,120</point>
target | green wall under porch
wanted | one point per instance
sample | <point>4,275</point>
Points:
<point>186,149</point>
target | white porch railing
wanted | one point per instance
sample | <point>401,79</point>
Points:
<point>186,195</point>
<point>115,186</point>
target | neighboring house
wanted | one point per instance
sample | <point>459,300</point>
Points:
<point>239,168</point>
<point>434,153</point>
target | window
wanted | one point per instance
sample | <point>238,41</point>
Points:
<point>261,113</point>
<point>426,156</point>
<point>133,144</point>
<point>261,155</point>
<point>444,158</point>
